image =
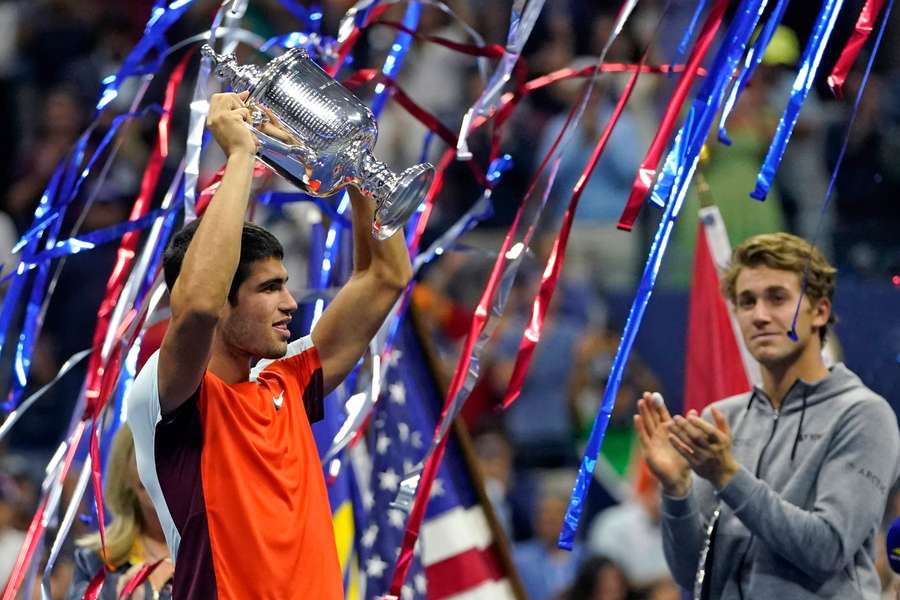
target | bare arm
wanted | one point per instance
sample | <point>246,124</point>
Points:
<point>201,290</point>
<point>381,271</point>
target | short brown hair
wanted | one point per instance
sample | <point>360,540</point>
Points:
<point>785,252</point>
<point>256,244</point>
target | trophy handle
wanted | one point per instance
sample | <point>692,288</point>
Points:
<point>271,144</point>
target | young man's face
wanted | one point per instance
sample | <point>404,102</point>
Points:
<point>765,302</point>
<point>258,323</point>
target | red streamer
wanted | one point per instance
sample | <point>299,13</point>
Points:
<point>479,321</point>
<point>533,331</point>
<point>92,592</point>
<point>37,526</point>
<point>487,51</point>
<point>102,377</point>
<point>348,44</point>
<point>139,578</point>
<point>865,23</point>
<point>647,171</point>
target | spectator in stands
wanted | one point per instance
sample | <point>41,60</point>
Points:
<point>134,537</point>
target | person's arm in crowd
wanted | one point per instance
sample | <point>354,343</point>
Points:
<point>201,290</point>
<point>381,271</point>
<point>853,483</point>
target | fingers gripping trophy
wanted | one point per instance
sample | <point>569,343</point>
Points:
<point>319,136</point>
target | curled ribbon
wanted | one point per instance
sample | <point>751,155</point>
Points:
<point>647,171</point>
<point>416,486</point>
<point>826,201</point>
<point>532,334</point>
<point>809,64</point>
<point>694,132</point>
<point>754,57</point>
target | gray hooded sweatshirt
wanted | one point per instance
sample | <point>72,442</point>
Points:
<point>799,518</point>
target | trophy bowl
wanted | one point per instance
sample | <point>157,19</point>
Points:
<point>319,136</point>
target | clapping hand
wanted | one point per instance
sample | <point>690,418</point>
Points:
<point>705,446</point>
<point>667,463</point>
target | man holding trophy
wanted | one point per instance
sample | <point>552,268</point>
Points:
<point>225,448</point>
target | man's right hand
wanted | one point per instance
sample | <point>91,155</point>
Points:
<point>669,467</point>
<point>228,116</point>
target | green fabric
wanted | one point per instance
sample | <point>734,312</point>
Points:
<point>618,446</point>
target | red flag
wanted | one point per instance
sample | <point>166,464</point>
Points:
<point>717,364</point>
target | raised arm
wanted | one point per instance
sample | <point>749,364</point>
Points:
<point>381,271</point>
<point>201,290</point>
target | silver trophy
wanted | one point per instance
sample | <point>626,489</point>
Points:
<point>319,136</point>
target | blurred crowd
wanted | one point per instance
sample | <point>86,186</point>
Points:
<point>54,53</point>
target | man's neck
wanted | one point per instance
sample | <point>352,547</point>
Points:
<point>778,379</point>
<point>228,365</point>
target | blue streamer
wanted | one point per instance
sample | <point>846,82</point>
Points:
<point>314,22</point>
<point>708,100</point>
<point>688,35</point>
<point>279,198</point>
<point>41,223</point>
<point>316,45</point>
<point>840,159</point>
<point>754,57</point>
<point>89,241</point>
<point>693,133</point>
<point>161,19</point>
<point>392,64</point>
<point>809,64</point>
<point>19,279</point>
<point>674,159</point>
<point>63,181</point>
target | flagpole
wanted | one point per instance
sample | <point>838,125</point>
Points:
<point>703,191</point>
<point>501,541</point>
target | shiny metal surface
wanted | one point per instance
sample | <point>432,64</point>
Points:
<point>318,135</point>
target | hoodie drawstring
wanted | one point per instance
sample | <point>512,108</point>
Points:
<point>799,427</point>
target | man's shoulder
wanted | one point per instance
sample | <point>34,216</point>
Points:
<point>846,394</point>
<point>143,395</point>
<point>732,404</point>
<point>297,351</point>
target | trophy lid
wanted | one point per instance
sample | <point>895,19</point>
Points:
<point>239,77</point>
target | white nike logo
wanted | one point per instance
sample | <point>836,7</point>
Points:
<point>278,400</point>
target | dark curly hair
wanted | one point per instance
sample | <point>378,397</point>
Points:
<point>256,244</point>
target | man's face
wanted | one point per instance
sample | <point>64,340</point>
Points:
<point>258,323</point>
<point>765,302</point>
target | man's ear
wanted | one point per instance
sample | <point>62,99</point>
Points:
<point>821,312</point>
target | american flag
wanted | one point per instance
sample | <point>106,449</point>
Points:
<point>457,557</point>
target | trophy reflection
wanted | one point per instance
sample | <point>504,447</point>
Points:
<point>319,136</point>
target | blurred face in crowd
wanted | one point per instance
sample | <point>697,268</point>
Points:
<point>765,303</point>
<point>550,514</point>
<point>494,457</point>
<point>610,584</point>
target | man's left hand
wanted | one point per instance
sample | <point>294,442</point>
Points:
<point>705,446</point>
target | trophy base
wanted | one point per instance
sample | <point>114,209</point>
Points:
<point>395,211</point>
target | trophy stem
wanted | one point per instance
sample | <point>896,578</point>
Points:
<point>376,179</point>
<point>396,196</point>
